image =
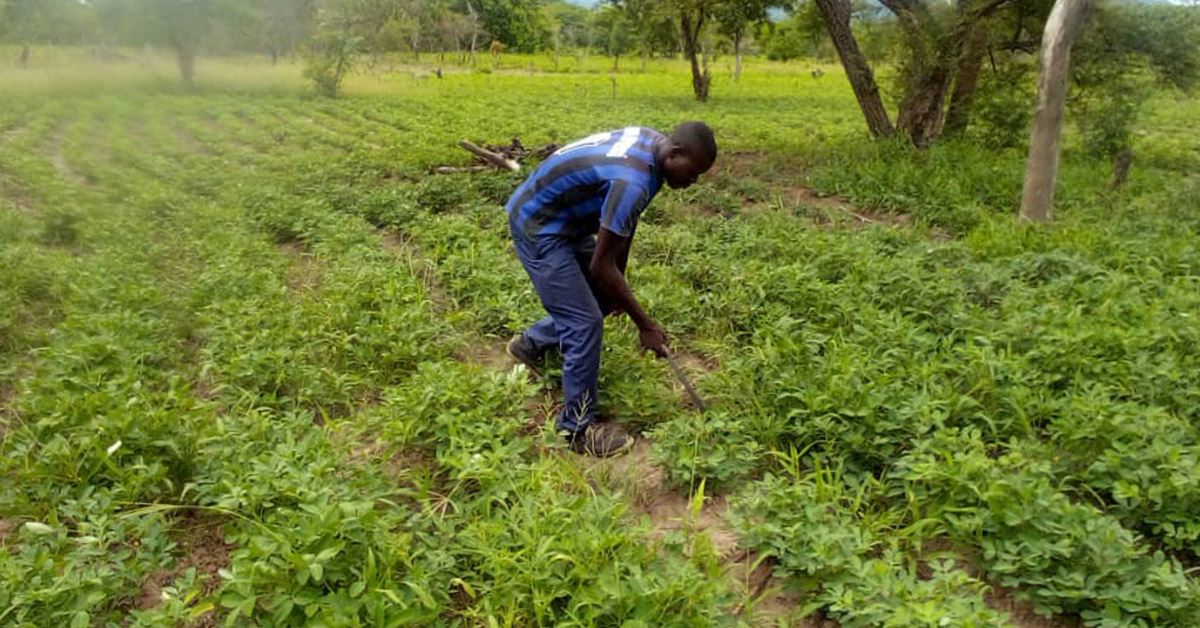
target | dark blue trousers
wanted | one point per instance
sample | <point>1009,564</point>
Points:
<point>558,267</point>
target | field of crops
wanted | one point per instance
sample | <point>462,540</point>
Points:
<point>252,368</point>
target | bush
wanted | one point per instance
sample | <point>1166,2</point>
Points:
<point>329,59</point>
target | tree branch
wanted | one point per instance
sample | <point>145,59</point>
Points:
<point>988,8</point>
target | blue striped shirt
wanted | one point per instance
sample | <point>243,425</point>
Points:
<point>604,180</point>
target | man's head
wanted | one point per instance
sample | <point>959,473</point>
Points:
<point>688,153</point>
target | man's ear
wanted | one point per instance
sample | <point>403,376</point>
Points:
<point>675,151</point>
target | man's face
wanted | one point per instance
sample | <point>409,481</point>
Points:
<point>681,169</point>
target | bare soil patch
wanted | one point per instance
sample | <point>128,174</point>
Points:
<point>737,164</point>
<point>304,270</point>
<point>668,512</point>
<point>486,351</point>
<point>858,215</point>
<point>201,543</point>
<point>1022,614</point>
<point>540,409</point>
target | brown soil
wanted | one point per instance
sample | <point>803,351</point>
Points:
<point>201,543</point>
<point>485,351</point>
<point>540,409</point>
<point>1021,613</point>
<point>304,271</point>
<point>765,603</point>
<point>857,215</point>
<point>641,480</point>
<point>737,164</point>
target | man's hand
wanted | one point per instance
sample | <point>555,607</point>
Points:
<point>653,339</point>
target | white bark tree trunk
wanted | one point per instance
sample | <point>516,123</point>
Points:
<point>1054,67</point>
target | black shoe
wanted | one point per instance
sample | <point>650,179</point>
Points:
<point>522,351</point>
<point>601,440</point>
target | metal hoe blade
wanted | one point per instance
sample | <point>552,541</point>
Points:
<point>691,390</point>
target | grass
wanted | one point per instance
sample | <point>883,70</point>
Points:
<point>249,372</point>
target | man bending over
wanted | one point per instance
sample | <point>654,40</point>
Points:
<point>572,223</point>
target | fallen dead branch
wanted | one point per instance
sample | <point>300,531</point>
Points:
<point>497,156</point>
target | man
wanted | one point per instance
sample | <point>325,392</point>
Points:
<point>572,223</point>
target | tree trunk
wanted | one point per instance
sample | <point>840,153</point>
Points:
<point>24,54</point>
<point>737,56</point>
<point>691,28</point>
<point>617,63</point>
<point>1122,162</point>
<point>1054,67</point>
<point>185,55</point>
<point>274,56</point>
<point>920,113</point>
<point>969,65</point>
<point>858,71</point>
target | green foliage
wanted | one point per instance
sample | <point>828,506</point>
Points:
<point>1003,106</point>
<point>518,24</point>
<point>710,447</point>
<point>1069,556</point>
<point>825,531</point>
<point>268,314</point>
<point>802,34</point>
<point>330,57</point>
<point>1127,49</point>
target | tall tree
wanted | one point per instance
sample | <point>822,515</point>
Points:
<point>1128,51</point>
<point>1054,67</point>
<point>942,42</point>
<point>518,24</point>
<point>735,18</point>
<point>181,25</point>
<point>613,33</point>
<point>26,22</point>
<point>836,14</point>
<point>693,16</point>
<point>284,24</point>
<point>653,27</point>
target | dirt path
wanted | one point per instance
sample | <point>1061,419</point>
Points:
<point>670,515</point>
<point>303,274</point>
<point>56,154</point>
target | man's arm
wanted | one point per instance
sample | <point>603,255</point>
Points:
<point>623,256</point>
<point>607,268</point>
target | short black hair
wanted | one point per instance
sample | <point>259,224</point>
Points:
<point>697,139</point>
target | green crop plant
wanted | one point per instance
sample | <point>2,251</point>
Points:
<point>250,307</point>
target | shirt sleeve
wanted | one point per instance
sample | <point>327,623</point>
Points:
<point>622,207</point>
